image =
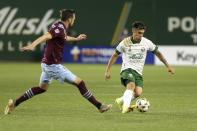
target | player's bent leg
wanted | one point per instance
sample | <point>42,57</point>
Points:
<point>131,86</point>
<point>88,95</point>
<point>128,97</point>
<point>44,86</point>
<point>77,81</point>
<point>138,91</point>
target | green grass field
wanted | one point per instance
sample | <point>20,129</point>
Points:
<point>173,100</point>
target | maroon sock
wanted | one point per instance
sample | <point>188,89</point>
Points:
<point>88,95</point>
<point>29,94</point>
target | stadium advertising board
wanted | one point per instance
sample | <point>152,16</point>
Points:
<point>17,31</point>
<point>94,54</point>
<point>176,22</point>
<point>23,21</point>
<point>179,55</point>
<point>169,22</point>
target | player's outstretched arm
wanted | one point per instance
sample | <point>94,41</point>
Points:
<point>80,37</point>
<point>112,60</point>
<point>161,58</point>
<point>41,39</point>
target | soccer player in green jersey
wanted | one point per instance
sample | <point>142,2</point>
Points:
<point>133,49</point>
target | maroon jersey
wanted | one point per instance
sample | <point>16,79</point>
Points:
<point>55,46</point>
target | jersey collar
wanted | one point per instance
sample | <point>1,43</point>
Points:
<point>134,42</point>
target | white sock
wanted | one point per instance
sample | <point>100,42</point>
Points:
<point>133,97</point>
<point>127,97</point>
<point>121,99</point>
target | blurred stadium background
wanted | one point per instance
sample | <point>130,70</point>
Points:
<point>105,23</point>
<point>171,24</point>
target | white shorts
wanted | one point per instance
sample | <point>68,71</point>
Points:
<point>56,71</point>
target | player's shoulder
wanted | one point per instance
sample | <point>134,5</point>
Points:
<point>58,25</point>
<point>126,41</point>
<point>146,40</point>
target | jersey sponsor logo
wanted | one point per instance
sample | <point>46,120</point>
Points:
<point>136,56</point>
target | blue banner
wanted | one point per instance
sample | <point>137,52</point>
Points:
<point>94,55</point>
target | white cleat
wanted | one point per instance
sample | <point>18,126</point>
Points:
<point>104,108</point>
<point>10,107</point>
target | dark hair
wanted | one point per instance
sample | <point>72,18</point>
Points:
<point>138,25</point>
<point>65,14</point>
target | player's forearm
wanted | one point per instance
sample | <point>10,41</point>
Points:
<point>111,62</point>
<point>69,38</point>
<point>161,58</point>
<point>80,37</point>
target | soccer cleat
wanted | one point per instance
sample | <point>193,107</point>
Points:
<point>127,109</point>
<point>117,101</point>
<point>104,108</point>
<point>10,107</point>
<point>133,107</point>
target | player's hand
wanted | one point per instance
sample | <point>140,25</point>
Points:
<point>107,76</point>
<point>82,37</point>
<point>171,70</point>
<point>30,47</point>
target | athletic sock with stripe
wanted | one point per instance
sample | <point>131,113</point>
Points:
<point>29,94</point>
<point>88,95</point>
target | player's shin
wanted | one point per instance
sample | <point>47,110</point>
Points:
<point>88,95</point>
<point>127,97</point>
<point>29,94</point>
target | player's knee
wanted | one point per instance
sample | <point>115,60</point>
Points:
<point>44,86</point>
<point>137,94</point>
<point>131,86</point>
<point>77,81</point>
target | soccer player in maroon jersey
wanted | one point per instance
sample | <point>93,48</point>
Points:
<point>55,39</point>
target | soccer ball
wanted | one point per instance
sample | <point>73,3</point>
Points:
<point>142,105</point>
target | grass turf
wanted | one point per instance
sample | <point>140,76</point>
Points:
<point>62,108</point>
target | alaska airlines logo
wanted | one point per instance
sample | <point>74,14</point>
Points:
<point>9,24</point>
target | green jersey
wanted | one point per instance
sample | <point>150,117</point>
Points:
<point>134,54</point>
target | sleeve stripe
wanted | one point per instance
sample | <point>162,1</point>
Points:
<point>154,51</point>
<point>125,43</point>
<point>118,52</point>
<point>129,43</point>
